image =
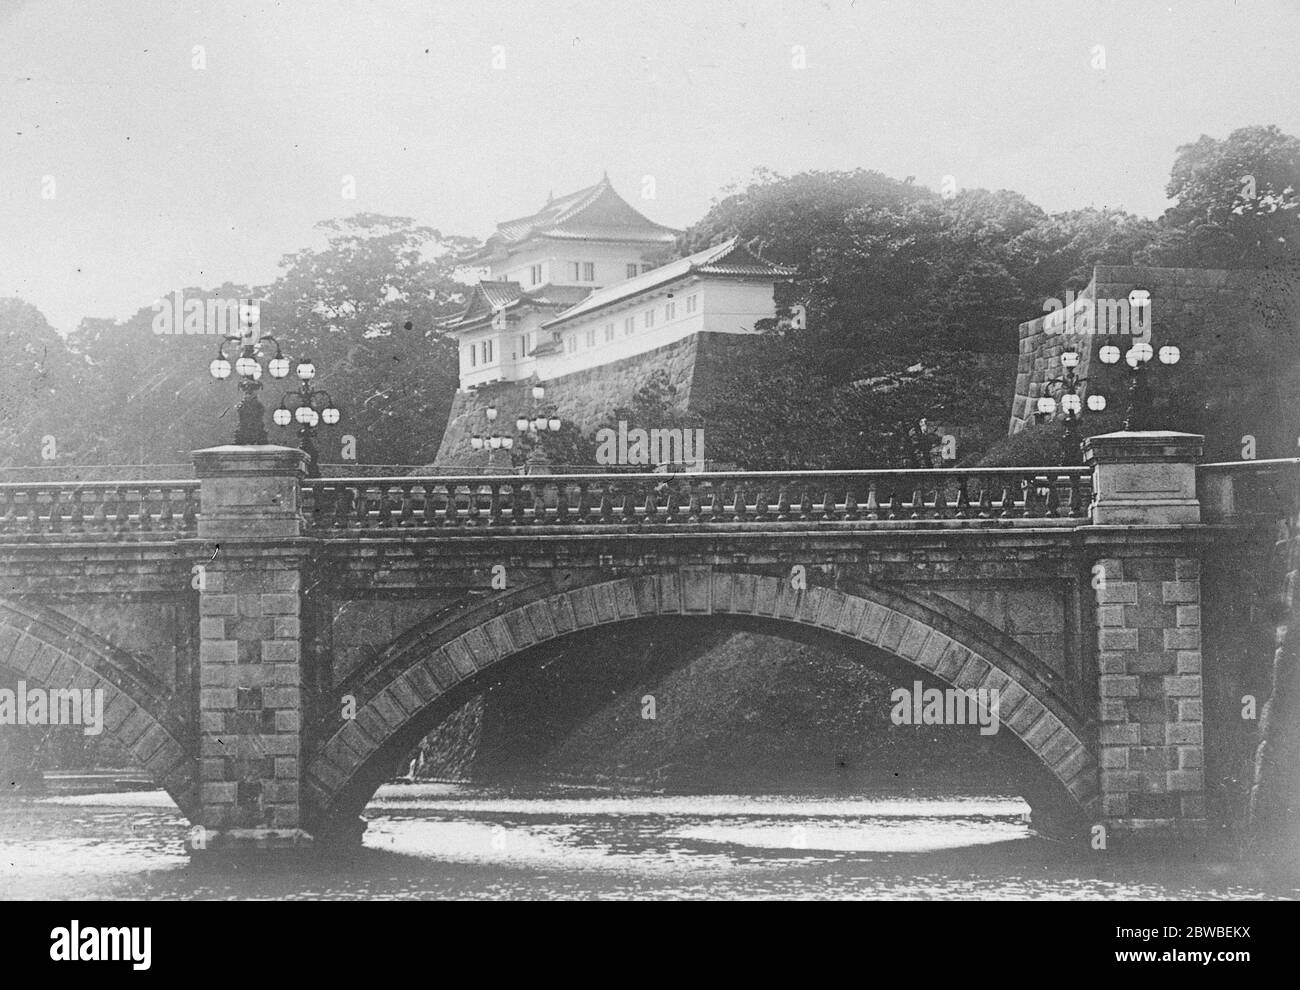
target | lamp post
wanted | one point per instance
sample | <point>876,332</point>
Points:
<point>307,407</point>
<point>533,426</point>
<point>251,428</point>
<point>493,442</point>
<point>1138,416</point>
<point>1068,386</point>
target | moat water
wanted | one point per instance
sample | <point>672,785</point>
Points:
<point>429,841</point>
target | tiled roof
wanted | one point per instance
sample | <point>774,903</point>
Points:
<point>594,213</point>
<point>491,297</point>
<point>726,259</point>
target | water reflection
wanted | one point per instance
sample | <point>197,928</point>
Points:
<point>430,841</point>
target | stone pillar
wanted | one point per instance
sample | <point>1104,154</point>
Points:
<point>251,677</point>
<point>1146,579</point>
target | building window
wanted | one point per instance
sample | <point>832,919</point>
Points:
<point>574,269</point>
<point>609,332</point>
<point>670,312</point>
<point>591,337</point>
<point>690,304</point>
<point>631,270</point>
<point>535,273</point>
<point>649,318</point>
<point>629,326</point>
<point>523,345</point>
<point>473,355</point>
<point>572,343</point>
<point>646,268</point>
<point>487,352</point>
<point>589,271</point>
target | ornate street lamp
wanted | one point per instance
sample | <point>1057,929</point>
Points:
<point>308,407</point>
<point>251,428</point>
<point>1138,416</point>
<point>1068,386</point>
<point>533,426</point>
<point>493,441</point>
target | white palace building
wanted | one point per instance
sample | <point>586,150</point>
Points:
<point>577,285</point>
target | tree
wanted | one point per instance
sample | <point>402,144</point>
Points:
<point>1236,202</point>
<point>367,308</point>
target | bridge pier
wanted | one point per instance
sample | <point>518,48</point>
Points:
<point>251,665</point>
<point>1145,551</point>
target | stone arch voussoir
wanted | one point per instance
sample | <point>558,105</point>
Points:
<point>49,650</point>
<point>439,663</point>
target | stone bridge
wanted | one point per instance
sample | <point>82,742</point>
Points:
<point>271,647</point>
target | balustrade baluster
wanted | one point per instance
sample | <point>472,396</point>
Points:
<point>828,505</point>
<point>962,510</point>
<point>190,514</point>
<point>986,499</point>
<point>1008,502</point>
<point>760,506</point>
<point>146,511</point>
<point>56,513</point>
<point>895,504</point>
<point>8,521</point>
<point>717,506</point>
<point>123,517</point>
<point>1053,499</point>
<point>783,505</point>
<point>805,505</point>
<point>1032,506</point>
<point>738,505</point>
<point>33,513</point>
<point>850,506</point>
<point>1076,497</point>
<point>694,510</point>
<point>77,523</point>
<point>651,508</point>
<point>343,508</point>
<point>627,513</point>
<point>918,503</point>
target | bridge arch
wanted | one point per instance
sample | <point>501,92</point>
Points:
<point>424,671</point>
<point>47,649</point>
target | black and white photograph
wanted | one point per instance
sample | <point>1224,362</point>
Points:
<point>689,450</point>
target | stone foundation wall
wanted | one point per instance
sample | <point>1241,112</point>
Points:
<point>695,367</point>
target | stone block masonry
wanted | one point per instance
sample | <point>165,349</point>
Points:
<point>1151,731</point>
<point>251,680</point>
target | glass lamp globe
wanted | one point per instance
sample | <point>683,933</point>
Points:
<point>1046,405</point>
<point>1070,359</point>
<point>1071,403</point>
<point>1169,354</point>
<point>281,417</point>
<point>539,392</point>
<point>219,369</point>
<point>476,442</point>
<point>247,367</point>
<point>494,442</point>
<point>521,424</point>
<point>329,415</point>
<point>539,423</point>
<point>1109,354</point>
<point>278,366</point>
<point>491,413</point>
<point>554,423</point>
<point>1096,403</point>
<point>507,442</point>
<point>303,415</point>
<point>1139,353</point>
<point>306,370</point>
<point>313,417</point>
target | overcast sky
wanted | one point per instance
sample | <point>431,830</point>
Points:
<point>464,113</point>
